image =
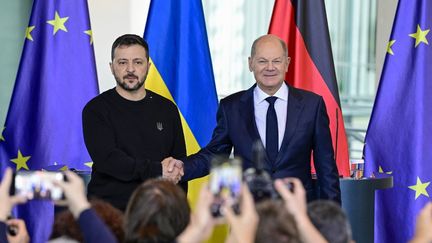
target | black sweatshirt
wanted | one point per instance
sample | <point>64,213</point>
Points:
<point>127,140</point>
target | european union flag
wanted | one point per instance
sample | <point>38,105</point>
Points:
<point>56,78</point>
<point>399,136</point>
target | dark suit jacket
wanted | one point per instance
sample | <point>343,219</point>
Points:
<point>307,130</point>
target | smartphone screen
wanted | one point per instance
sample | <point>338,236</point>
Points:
<point>38,185</point>
<point>225,182</point>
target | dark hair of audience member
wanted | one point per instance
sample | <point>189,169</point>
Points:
<point>330,220</point>
<point>66,226</point>
<point>158,211</point>
<point>275,224</point>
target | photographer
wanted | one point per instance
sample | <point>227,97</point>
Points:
<point>6,205</point>
<point>244,225</point>
<point>91,226</point>
<point>201,220</point>
<point>295,203</point>
<point>251,226</point>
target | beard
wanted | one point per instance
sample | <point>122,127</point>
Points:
<point>123,84</point>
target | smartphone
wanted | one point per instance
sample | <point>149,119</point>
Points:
<point>38,185</point>
<point>225,182</point>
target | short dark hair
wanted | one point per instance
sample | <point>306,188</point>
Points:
<point>276,224</point>
<point>330,220</point>
<point>158,211</point>
<point>282,42</point>
<point>129,40</point>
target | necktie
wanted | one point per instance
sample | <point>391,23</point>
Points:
<point>272,139</point>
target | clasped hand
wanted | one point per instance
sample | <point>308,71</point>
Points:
<point>172,169</point>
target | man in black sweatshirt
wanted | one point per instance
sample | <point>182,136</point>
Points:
<point>129,130</point>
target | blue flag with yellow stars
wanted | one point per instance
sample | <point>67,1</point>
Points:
<point>399,137</point>
<point>55,79</point>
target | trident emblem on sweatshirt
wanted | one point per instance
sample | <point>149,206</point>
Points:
<point>159,126</point>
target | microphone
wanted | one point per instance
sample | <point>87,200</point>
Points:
<point>258,156</point>
<point>258,180</point>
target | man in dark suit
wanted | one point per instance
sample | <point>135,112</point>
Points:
<point>291,124</point>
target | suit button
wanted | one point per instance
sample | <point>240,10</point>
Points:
<point>273,171</point>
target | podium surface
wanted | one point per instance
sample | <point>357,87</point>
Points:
<point>358,201</point>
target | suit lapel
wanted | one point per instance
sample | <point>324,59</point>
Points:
<point>294,109</point>
<point>248,114</point>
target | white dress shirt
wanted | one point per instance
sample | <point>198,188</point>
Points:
<point>261,106</point>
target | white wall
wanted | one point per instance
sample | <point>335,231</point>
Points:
<point>109,20</point>
<point>386,12</point>
<point>14,16</point>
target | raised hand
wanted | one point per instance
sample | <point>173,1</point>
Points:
<point>295,199</point>
<point>244,225</point>
<point>295,203</point>
<point>74,191</point>
<point>423,231</point>
<point>21,235</point>
<point>7,201</point>
<point>201,224</point>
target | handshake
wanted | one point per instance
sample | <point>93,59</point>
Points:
<point>172,169</point>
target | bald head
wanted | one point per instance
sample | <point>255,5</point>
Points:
<point>266,38</point>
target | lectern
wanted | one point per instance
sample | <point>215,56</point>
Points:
<point>358,201</point>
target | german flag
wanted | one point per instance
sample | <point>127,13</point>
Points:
<point>303,25</point>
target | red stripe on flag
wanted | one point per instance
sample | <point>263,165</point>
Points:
<point>303,73</point>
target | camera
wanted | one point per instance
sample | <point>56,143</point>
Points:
<point>260,184</point>
<point>258,180</point>
<point>38,185</point>
<point>12,230</point>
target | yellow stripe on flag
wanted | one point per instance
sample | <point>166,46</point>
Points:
<point>155,83</point>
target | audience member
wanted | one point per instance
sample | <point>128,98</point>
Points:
<point>330,220</point>
<point>158,211</point>
<point>275,223</point>
<point>243,225</point>
<point>65,226</point>
<point>91,226</point>
<point>6,205</point>
<point>201,222</point>
<point>295,203</point>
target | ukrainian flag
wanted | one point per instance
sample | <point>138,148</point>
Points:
<point>182,69</point>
